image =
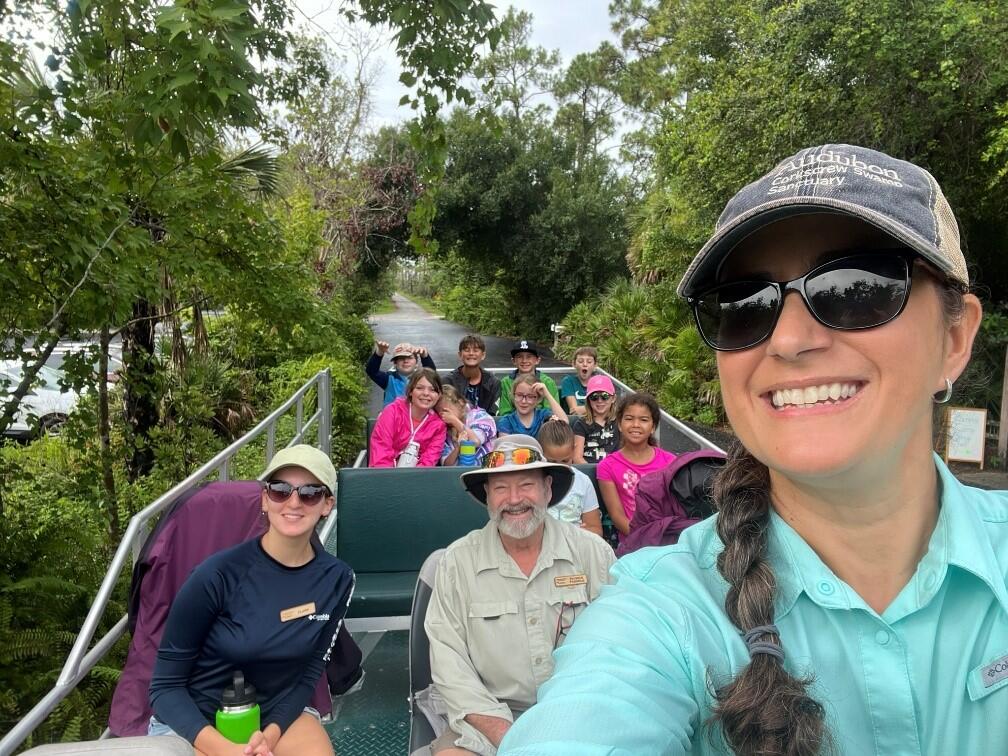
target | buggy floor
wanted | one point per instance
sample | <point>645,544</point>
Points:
<point>374,721</point>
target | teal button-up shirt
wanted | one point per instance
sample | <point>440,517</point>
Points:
<point>928,676</point>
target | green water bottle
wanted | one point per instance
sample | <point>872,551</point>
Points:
<point>238,716</point>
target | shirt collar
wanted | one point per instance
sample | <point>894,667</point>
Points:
<point>492,556</point>
<point>967,541</point>
<point>959,539</point>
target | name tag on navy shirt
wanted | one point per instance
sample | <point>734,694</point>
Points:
<point>294,612</point>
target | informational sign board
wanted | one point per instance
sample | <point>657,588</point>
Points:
<point>965,435</point>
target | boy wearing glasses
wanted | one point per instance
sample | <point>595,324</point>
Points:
<point>526,359</point>
<point>505,596</point>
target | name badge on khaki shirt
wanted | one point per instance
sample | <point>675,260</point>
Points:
<point>294,612</point>
<point>569,581</point>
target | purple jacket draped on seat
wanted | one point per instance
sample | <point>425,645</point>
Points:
<point>670,500</point>
<point>203,522</point>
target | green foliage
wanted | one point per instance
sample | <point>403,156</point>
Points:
<point>981,384</point>
<point>645,336</point>
<point>437,45</point>
<point>348,398</point>
<point>526,218</point>
<point>735,86</point>
<point>53,552</point>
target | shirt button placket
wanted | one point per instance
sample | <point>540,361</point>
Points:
<point>534,629</point>
<point>887,679</point>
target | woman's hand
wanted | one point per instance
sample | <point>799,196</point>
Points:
<point>263,743</point>
<point>540,389</point>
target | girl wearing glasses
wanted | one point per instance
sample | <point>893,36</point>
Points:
<point>269,608</point>
<point>527,418</point>
<point>596,434</point>
<point>850,596</point>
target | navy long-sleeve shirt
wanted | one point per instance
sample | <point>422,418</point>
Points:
<point>242,610</point>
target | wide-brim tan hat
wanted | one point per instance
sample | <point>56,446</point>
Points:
<point>307,457</point>
<point>562,475</point>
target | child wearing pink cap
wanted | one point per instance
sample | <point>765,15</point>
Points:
<point>597,433</point>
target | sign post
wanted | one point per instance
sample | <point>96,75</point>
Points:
<point>1003,426</point>
<point>965,435</point>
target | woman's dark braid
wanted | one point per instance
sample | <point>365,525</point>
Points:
<point>764,711</point>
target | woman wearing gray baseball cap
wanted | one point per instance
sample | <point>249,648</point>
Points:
<point>850,595</point>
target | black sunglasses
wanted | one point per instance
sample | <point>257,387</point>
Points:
<point>600,396</point>
<point>851,293</point>
<point>310,494</point>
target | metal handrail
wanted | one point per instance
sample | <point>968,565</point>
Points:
<point>80,661</point>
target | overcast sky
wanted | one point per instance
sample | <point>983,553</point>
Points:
<point>570,26</point>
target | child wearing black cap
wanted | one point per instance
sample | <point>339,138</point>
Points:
<point>525,357</point>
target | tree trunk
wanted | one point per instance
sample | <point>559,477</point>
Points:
<point>139,386</point>
<point>104,425</point>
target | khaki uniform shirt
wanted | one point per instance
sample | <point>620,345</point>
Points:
<point>492,630</point>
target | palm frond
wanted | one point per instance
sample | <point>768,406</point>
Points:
<point>257,167</point>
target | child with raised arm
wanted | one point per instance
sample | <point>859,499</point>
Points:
<point>580,506</point>
<point>479,387</point>
<point>528,417</point>
<point>597,433</point>
<point>639,454</point>
<point>526,359</point>
<point>406,358</point>
<point>574,387</point>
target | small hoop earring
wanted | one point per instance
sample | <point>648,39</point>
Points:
<point>945,396</point>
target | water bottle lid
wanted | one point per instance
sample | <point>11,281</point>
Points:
<point>240,693</point>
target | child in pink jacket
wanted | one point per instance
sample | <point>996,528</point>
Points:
<point>409,432</point>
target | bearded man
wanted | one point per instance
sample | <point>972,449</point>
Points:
<point>505,597</point>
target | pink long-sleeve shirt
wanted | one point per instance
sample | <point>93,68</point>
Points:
<point>392,432</point>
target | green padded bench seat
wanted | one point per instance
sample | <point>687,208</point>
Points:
<point>382,594</point>
<point>388,520</point>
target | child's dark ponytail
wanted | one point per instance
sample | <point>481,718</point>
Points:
<point>764,711</point>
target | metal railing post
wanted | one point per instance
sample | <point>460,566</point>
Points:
<point>325,411</point>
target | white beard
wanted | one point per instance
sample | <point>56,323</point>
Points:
<point>520,530</point>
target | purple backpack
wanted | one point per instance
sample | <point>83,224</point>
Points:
<point>671,499</point>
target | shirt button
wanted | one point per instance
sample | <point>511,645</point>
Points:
<point>882,637</point>
<point>534,621</point>
<point>929,581</point>
<point>538,660</point>
<point>826,588</point>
